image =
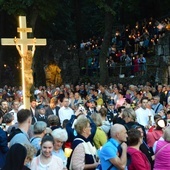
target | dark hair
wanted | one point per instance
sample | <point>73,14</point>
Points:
<point>47,137</point>
<point>53,120</point>
<point>8,117</point>
<point>156,117</point>
<point>143,98</point>
<point>23,115</point>
<point>134,136</point>
<point>103,111</point>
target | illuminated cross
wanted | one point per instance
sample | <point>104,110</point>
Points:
<point>22,45</point>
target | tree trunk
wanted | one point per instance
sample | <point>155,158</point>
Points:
<point>105,45</point>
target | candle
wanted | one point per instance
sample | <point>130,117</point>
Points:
<point>67,152</point>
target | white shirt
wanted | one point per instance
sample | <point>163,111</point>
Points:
<point>15,116</point>
<point>142,116</point>
<point>65,113</point>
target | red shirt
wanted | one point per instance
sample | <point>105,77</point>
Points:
<point>138,160</point>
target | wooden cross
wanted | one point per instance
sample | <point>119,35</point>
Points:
<point>22,45</point>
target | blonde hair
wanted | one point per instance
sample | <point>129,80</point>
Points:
<point>31,151</point>
<point>96,117</point>
<point>129,112</point>
<point>81,123</point>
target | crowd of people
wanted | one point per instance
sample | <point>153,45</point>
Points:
<point>86,126</point>
<point>127,44</point>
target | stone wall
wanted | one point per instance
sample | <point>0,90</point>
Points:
<point>163,59</point>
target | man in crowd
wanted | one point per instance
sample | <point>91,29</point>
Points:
<point>109,153</point>
<point>65,112</point>
<point>20,135</point>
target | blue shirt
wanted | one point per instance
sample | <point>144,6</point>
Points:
<point>108,151</point>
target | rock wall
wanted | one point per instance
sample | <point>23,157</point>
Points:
<point>163,59</point>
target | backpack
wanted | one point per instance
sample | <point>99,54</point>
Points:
<point>13,133</point>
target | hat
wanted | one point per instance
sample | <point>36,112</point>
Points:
<point>111,102</point>
<point>41,106</point>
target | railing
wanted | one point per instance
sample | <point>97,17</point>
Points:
<point>121,71</point>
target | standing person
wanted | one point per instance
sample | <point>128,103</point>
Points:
<point>83,155</point>
<point>157,106</point>
<point>60,136</point>
<point>109,153</point>
<point>33,103</point>
<point>65,111</point>
<point>143,114</point>
<point>52,109</point>
<point>46,160</point>
<point>142,63</point>
<point>15,158</point>
<point>20,135</point>
<point>138,159</point>
<point>14,111</point>
<point>3,144</point>
<point>39,129</point>
<point>162,152</point>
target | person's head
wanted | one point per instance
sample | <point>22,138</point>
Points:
<point>65,102</point>
<point>47,145</point>
<point>60,136</point>
<point>111,105</point>
<point>24,115</point>
<point>160,124</point>
<point>53,102</point>
<point>82,126</point>
<point>53,120</point>
<point>144,102</point>
<point>4,105</point>
<point>103,112</point>
<point>168,114</point>
<point>33,103</point>
<point>31,151</point>
<point>39,127</point>
<point>134,137</point>
<point>119,133</point>
<point>166,134</point>
<point>129,115</point>
<point>156,99</point>
<point>8,118</point>
<point>15,157</point>
<point>15,104</point>
<point>76,95</point>
<point>41,110</point>
<point>97,119</point>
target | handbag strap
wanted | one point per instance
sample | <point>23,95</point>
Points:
<point>161,149</point>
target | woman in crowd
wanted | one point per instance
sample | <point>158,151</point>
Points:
<point>100,137</point>
<point>60,136</point>
<point>138,159</point>
<point>162,152</point>
<point>105,123</point>
<point>145,148</point>
<point>39,129</point>
<point>15,158</point>
<point>30,154</point>
<point>83,155</point>
<point>156,133</point>
<point>46,160</point>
